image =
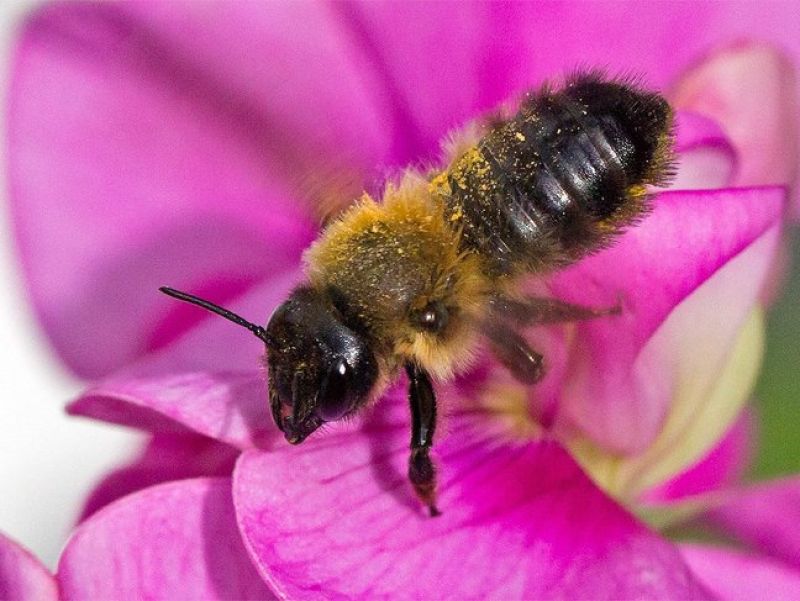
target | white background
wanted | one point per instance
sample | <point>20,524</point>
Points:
<point>48,461</point>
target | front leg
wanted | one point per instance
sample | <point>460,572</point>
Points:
<point>421,471</point>
<point>513,351</point>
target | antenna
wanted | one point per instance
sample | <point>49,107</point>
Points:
<point>260,332</point>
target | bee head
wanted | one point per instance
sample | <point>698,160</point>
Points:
<point>319,369</point>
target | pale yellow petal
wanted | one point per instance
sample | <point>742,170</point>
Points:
<point>700,417</point>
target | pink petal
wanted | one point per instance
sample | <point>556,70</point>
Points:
<point>446,65</point>
<point>766,517</point>
<point>611,392</point>
<point>323,95</point>
<point>732,575</point>
<point>706,158</point>
<point>164,458</point>
<point>176,540</point>
<point>136,160</point>
<point>721,467</point>
<point>336,518</point>
<point>22,576</point>
<point>208,382</point>
<point>229,407</point>
<point>750,90</point>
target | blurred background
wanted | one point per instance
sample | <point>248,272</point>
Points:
<point>48,462</point>
<point>778,390</point>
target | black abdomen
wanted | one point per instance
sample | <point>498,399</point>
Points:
<point>562,176</point>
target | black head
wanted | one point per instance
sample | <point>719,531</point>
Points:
<point>319,369</point>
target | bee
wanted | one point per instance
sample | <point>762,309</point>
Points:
<point>416,282</point>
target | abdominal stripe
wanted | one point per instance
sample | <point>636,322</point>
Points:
<point>536,183</point>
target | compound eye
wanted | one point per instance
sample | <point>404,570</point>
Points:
<point>335,397</point>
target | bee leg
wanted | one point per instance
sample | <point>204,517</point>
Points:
<point>513,351</point>
<point>421,471</point>
<point>536,310</point>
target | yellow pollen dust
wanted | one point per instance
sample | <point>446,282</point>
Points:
<point>439,185</point>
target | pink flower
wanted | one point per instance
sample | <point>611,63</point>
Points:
<point>21,574</point>
<point>159,143</point>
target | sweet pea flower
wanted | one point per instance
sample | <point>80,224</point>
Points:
<point>160,143</point>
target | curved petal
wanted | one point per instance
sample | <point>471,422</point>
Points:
<point>229,407</point>
<point>22,576</point>
<point>136,160</point>
<point>766,517</point>
<point>336,517</point>
<point>750,90</point>
<point>208,382</point>
<point>712,383</point>
<point>710,392</point>
<point>176,540</point>
<point>706,158</point>
<point>720,468</point>
<point>611,392</point>
<point>731,575</point>
<point>164,458</point>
